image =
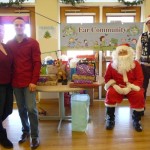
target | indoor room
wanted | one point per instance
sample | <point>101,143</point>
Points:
<point>77,76</point>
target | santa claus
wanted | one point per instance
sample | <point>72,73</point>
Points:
<point>124,78</point>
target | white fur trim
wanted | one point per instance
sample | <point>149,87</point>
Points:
<point>126,90</point>
<point>134,87</point>
<point>125,78</point>
<point>108,105</point>
<point>139,110</point>
<point>147,19</point>
<point>109,83</point>
<point>118,89</point>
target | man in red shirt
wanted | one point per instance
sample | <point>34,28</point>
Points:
<point>124,77</point>
<point>27,64</point>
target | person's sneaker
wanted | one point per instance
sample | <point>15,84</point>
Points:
<point>24,137</point>
<point>35,143</point>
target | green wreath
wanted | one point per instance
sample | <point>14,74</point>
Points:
<point>12,3</point>
<point>135,2</point>
<point>72,2</point>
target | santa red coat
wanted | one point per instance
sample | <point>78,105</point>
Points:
<point>134,77</point>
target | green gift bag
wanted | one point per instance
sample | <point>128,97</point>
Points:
<point>80,111</point>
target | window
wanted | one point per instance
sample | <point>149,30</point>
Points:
<point>6,16</point>
<point>7,20</point>
<point>120,17</point>
<point>80,18</point>
<point>79,15</point>
<point>124,14</point>
<point>10,32</point>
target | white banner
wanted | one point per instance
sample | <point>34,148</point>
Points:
<point>99,36</point>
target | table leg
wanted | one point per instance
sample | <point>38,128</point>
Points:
<point>61,109</point>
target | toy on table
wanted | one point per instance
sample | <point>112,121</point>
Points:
<point>61,73</point>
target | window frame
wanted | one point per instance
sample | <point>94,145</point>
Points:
<point>31,10</point>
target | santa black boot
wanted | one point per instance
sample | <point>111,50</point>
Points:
<point>110,118</point>
<point>4,141</point>
<point>136,116</point>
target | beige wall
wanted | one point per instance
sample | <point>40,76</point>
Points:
<point>146,8</point>
<point>145,12</point>
<point>49,9</point>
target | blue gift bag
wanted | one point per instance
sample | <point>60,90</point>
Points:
<point>80,111</point>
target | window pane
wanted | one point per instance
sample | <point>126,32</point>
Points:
<point>73,54</point>
<point>10,32</point>
<point>120,19</point>
<point>80,19</point>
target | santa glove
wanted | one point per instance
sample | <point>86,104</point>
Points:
<point>126,90</point>
<point>109,83</point>
<point>133,87</point>
<point>118,89</point>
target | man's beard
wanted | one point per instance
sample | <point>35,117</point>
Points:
<point>123,64</point>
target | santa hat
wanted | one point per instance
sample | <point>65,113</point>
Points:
<point>121,47</point>
<point>147,19</point>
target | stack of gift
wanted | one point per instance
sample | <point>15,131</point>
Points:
<point>85,73</point>
<point>46,80</point>
<point>48,73</point>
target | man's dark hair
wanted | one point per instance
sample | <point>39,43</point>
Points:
<point>20,18</point>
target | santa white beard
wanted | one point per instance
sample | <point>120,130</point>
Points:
<point>123,63</point>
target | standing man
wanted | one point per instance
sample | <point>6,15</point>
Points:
<point>143,54</point>
<point>27,64</point>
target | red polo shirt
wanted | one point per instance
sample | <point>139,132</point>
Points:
<point>27,62</point>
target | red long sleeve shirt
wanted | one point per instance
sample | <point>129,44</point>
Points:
<point>27,62</point>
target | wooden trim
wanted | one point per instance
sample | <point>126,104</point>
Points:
<point>95,10</point>
<point>118,10</point>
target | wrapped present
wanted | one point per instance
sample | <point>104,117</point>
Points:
<point>51,82</point>
<point>52,77</point>
<point>82,77</point>
<point>47,83</point>
<point>80,81</point>
<point>85,69</point>
<point>80,111</point>
<point>47,80</point>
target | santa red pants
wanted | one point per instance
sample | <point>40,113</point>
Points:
<point>136,98</point>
